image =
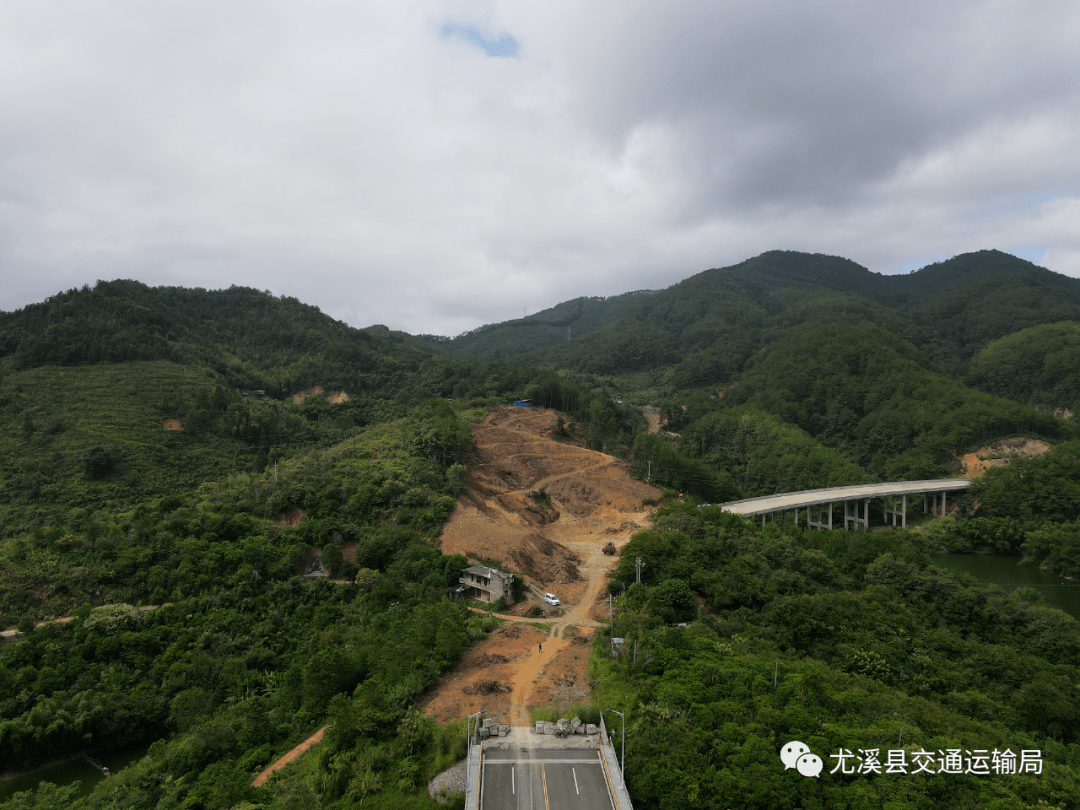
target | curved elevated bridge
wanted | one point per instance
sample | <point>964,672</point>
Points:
<point>819,503</point>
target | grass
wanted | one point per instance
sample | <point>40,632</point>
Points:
<point>450,747</point>
<point>610,690</point>
<point>478,627</point>
<point>474,415</point>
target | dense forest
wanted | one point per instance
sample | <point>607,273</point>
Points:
<point>703,330</point>
<point>846,642</point>
<point>170,471</point>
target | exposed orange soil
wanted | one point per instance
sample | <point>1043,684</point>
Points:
<point>999,454</point>
<point>293,755</point>
<point>171,424</point>
<point>533,661</point>
<point>558,548</point>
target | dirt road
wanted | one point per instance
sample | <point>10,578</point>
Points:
<point>533,662</point>
<point>292,756</point>
<point>593,500</point>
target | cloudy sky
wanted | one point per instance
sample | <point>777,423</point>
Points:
<point>434,166</point>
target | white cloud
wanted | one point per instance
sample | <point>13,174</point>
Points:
<point>357,157</point>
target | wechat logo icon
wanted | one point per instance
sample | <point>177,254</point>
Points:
<point>797,755</point>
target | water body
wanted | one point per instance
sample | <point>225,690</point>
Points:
<point>1005,572</point>
<point>74,770</point>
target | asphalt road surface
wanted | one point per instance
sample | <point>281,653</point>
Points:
<point>544,779</point>
<point>812,497</point>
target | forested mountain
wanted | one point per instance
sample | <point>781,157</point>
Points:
<point>861,390</point>
<point>89,377</point>
<point>709,324</point>
<point>895,375</point>
<point>559,324</point>
<point>249,338</point>
<point>1039,366</point>
<point>152,454</point>
<point>975,298</point>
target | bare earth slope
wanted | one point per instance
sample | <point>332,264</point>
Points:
<point>593,500</point>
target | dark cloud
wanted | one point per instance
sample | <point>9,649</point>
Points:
<point>388,165</point>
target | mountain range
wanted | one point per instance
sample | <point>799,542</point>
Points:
<point>193,451</point>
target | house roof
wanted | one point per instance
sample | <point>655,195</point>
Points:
<point>482,570</point>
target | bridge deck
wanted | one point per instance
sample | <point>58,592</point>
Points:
<point>813,497</point>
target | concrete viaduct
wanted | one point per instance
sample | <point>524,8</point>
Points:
<point>819,503</point>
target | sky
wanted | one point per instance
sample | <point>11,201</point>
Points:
<point>435,166</point>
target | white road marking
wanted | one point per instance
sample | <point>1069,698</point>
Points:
<point>533,762</point>
<point>574,771</point>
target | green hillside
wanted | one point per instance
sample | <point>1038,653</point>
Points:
<point>55,420</point>
<point>250,339</point>
<point>559,324</point>
<point>1038,366</point>
<point>152,454</point>
<point>709,324</point>
<point>855,645</point>
<point>973,299</point>
<point>860,389</point>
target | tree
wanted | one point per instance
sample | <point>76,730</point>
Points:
<point>332,559</point>
<point>97,462</point>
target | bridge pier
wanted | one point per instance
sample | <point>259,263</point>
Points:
<point>819,523</point>
<point>934,508</point>
<point>854,518</point>
<point>856,499</point>
<point>889,508</point>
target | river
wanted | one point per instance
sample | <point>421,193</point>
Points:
<point>1004,571</point>
<point>73,770</point>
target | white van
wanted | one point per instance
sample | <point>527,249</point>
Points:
<point>551,599</point>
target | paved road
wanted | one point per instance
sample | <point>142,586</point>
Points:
<point>544,779</point>
<point>813,497</point>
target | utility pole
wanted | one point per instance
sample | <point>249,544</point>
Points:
<point>622,768</point>
<point>611,616</point>
<point>639,564</point>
